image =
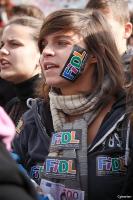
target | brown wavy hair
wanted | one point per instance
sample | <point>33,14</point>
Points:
<point>92,26</point>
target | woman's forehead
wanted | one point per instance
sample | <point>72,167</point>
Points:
<point>60,34</point>
<point>16,31</point>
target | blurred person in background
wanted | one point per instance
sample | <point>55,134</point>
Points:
<point>7,90</point>
<point>19,61</point>
<point>131,17</point>
<point>130,39</point>
<point>117,15</point>
<point>5,11</point>
<point>29,10</point>
<point>14,184</point>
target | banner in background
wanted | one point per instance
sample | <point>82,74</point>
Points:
<point>48,6</point>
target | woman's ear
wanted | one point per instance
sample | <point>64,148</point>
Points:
<point>128,30</point>
<point>93,60</point>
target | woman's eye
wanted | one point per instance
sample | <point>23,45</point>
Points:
<point>62,43</point>
<point>14,44</point>
<point>42,46</point>
<point>1,45</point>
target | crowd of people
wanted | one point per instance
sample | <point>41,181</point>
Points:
<point>66,130</point>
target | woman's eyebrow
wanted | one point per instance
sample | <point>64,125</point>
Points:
<point>12,39</point>
<point>15,40</point>
<point>63,37</point>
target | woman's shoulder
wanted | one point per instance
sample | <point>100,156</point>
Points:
<point>35,116</point>
<point>36,106</point>
<point>11,103</point>
<point>39,114</point>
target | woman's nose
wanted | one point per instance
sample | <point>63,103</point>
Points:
<point>4,51</point>
<point>48,51</point>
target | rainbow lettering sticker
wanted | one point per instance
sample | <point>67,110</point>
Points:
<point>108,166</point>
<point>37,171</point>
<point>60,167</point>
<point>66,139</point>
<point>75,63</point>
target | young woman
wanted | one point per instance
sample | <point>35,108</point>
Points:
<point>83,111</point>
<point>19,61</point>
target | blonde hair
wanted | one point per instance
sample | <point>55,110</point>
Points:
<point>28,21</point>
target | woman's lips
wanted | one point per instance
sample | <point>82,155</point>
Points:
<point>48,66</point>
<point>4,63</point>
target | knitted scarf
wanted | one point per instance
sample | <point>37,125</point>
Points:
<point>87,108</point>
<point>73,105</point>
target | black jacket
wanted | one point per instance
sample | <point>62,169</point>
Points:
<point>13,184</point>
<point>32,143</point>
<point>107,156</point>
<point>7,92</point>
<point>17,106</point>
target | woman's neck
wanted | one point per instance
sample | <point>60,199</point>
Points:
<point>95,125</point>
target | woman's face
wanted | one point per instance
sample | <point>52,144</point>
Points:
<point>19,54</point>
<point>57,49</point>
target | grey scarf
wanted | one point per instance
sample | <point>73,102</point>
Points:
<point>74,105</point>
<point>87,108</point>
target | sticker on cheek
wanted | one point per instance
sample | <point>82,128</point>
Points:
<point>75,63</point>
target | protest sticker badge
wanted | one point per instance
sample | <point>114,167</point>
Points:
<point>75,63</point>
<point>60,167</point>
<point>66,139</point>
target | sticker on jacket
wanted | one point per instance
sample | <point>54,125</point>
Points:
<point>37,171</point>
<point>108,166</point>
<point>58,191</point>
<point>60,167</point>
<point>75,63</point>
<point>66,139</point>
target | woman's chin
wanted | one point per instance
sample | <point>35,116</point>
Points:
<point>58,84</point>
